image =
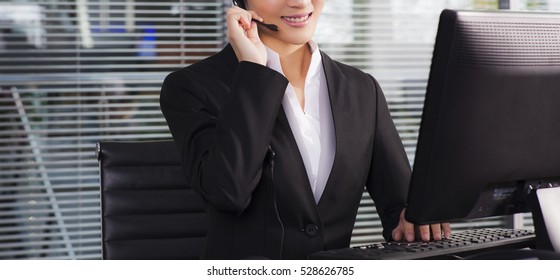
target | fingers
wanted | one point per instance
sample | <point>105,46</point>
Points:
<point>436,231</point>
<point>256,16</point>
<point>243,35</point>
<point>424,232</point>
<point>253,33</point>
<point>446,230</point>
<point>240,24</point>
<point>408,231</point>
<point>397,233</point>
<point>238,19</point>
<point>408,228</point>
<point>402,228</point>
<point>242,17</point>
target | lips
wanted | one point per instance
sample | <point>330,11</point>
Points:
<point>297,20</point>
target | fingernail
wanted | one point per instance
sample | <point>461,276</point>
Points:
<point>425,237</point>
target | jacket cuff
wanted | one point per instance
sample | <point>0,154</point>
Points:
<point>256,78</point>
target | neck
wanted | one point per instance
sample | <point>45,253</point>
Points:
<point>295,59</point>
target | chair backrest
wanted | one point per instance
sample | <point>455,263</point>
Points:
<point>147,209</point>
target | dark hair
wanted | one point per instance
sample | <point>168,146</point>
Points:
<point>239,3</point>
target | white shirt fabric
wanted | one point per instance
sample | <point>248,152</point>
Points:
<point>312,127</point>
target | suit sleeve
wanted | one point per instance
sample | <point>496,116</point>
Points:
<point>389,174</point>
<point>223,154</point>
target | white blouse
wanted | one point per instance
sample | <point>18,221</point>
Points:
<point>313,127</point>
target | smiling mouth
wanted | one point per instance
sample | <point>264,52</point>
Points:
<point>297,18</point>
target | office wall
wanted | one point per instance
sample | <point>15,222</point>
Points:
<point>73,73</point>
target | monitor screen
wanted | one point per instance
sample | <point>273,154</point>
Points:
<point>490,128</point>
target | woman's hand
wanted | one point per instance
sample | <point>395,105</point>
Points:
<point>244,37</point>
<point>405,230</point>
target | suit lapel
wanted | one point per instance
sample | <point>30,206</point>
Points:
<point>340,106</point>
<point>297,165</point>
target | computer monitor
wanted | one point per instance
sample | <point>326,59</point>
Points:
<point>490,129</point>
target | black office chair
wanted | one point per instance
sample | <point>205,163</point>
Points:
<point>147,209</point>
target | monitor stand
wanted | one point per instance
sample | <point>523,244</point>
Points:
<point>545,205</point>
<point>539,196</point>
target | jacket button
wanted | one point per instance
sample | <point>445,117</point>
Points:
<point>311,230</point>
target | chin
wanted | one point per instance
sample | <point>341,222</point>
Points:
<point>298,39</point>
<point>293,37</point>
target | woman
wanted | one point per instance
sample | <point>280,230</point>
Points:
<point>279,140</point>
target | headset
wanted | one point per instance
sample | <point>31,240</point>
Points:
<point>239,3</point>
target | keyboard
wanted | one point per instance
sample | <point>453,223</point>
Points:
<point>459,245</point>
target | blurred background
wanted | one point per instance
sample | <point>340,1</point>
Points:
<point>74,72</point>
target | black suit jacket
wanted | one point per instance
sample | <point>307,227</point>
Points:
<point>240,155</point>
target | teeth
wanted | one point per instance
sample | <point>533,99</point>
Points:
<point>300,19</point>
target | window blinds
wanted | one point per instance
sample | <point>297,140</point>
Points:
<point>73,73</point>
